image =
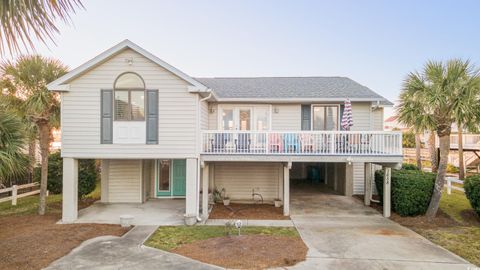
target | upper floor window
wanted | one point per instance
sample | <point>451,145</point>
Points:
<point>325,117</point>
<point>129,97</point>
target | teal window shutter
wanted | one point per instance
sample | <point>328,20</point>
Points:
<point>106,117</point>
<point>152,117</point>
<point>306,117</point>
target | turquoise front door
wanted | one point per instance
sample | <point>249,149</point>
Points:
<point>179,174</point>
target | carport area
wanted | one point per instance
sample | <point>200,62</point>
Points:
<point>152,212</point>
<point>342,233</point>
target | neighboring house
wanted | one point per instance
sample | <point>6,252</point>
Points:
<point>391,123</point>
<point>163,134</point>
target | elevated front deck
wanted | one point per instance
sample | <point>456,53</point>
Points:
<point>312,146</point>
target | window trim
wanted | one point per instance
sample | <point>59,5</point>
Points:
<point>129,72</point>
<point>325,105</point>
<point>129,108</point>
<point>236,107</point>
<point>170,162</point>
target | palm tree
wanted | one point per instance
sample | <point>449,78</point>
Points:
<point>444,93</point>
<point>15,105</point>
<point>29,76</point>
<point>461,162</point>
<point>23,19</point>
<point>13,162</point>
<point>432,149</point>
<point>418,150</point>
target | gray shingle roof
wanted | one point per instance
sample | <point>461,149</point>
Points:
<point>290,87</point>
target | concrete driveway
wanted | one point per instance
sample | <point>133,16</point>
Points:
<point>342,233</point>
<point>125,252</point>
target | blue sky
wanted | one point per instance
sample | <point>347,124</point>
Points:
<point>375,43</point>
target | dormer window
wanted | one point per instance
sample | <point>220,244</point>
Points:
<point>129,91</point>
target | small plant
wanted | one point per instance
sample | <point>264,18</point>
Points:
<point>217,195</point>
<point>452,169</point>
<point>472,191</point>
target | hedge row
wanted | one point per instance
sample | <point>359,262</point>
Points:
<point>411,190</point>
<point>472,190</point>
<point>87,175</point>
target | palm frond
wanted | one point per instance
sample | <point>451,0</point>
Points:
<point>23,19</point>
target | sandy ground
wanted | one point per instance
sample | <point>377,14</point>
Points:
<point>247,211</point>
<point>33,242</point>
<point>247,251</point>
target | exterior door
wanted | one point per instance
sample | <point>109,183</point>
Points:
<point>236,118</point>
<point>164,178</point>
<point>179,175</point>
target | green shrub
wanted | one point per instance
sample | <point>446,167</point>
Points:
<point>409,166</point>
<point>411,190</point>
<point>408,139</point>
<point>87,175</point>
<point>472,190</point>
<point>452,169</point>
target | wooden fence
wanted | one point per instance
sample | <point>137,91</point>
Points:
<point>451,180</point>
<point>15,194</point>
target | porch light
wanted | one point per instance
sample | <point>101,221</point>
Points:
<point>349,160</point>
<point>276,109</point>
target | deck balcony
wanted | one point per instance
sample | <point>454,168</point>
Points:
<point>306,143</point>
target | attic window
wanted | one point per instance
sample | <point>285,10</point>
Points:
<point>129,80</point>
<point>129,98</point>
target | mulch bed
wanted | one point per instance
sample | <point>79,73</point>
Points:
<point>33,241</point>
<point>247,251</point>
<point>247,211</point>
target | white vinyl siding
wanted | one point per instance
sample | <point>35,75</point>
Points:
<point>358,178</point>
<point>239,179</point>
<point>287,117</point>
<point>125,181</point>
<point>203,115</point>
<point>81,112</point>
<point>378,119</point>
<point>213,117</point>
<point>361,116</point>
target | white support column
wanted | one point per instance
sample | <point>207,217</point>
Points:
<point>349,179</point>
<point>105,164</point>
<point>286,189</point>
<point>70,190</point>
<point>386,191</point>
<point>205,181</point>
<point>191,192</point>
<point>368,183</point>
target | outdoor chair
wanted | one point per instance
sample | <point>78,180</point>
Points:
<point>307,142</point>
<point>275,142</point>
<point>242,143</point>
<point>291,143</point>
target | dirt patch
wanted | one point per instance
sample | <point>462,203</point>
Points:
<point>33,242</point>
<point>470,217</point>
<point>247,251</point>
<point>247,211</point>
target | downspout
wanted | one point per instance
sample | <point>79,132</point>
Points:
<point>197,201</point>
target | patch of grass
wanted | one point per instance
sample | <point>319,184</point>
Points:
<point>29,205</point>
<point>96,193</point>
<point>454,204</point>
<point>463,241</point>
<point>170,237</point>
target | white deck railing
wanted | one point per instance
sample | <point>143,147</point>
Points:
<point>371,143</point>
<point>470,141</point>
